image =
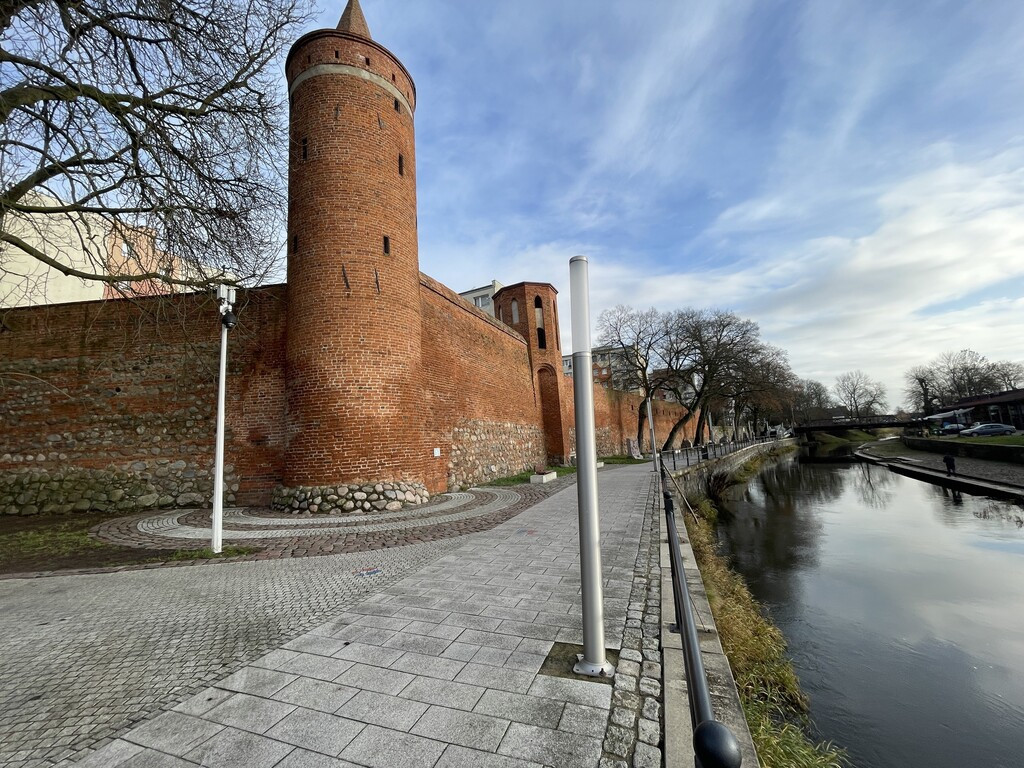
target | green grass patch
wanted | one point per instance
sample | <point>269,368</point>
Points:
<point>524,477</point>
<point>58,542</point>
<point>858,436</point>
<point>846,436</point>
<point>208,554</point>
<point>827,438</point>
<point>608,460</point>
<point>990,440</point>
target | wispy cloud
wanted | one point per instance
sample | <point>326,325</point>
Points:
<point>850,175</point>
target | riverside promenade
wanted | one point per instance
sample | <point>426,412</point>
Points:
<point>980,476</point>
<point>448,652</point>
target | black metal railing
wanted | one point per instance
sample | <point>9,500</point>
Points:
<point>714,745</point>
<point>687,457</point>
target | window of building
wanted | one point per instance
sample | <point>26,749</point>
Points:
<point>401,166</point>
<point>387,245</point>
<point>398,106</point>
<point>515,311</point>
<point>542,340</point>
<point>481,301</point>
<point>305,148</point>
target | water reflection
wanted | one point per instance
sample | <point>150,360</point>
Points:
<point>901,603</point>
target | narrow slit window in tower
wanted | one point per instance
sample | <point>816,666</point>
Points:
<point>538,310</point>
<point>295,243</point>
<point>367,60</point>
<point>392,77</point>
<point>387,245</point>
<point>515,311</point>
<point>401,166</point>
<point>305,149</point>
<point>398,106</point>
<point>337,54</point>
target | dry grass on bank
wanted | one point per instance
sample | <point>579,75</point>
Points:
<point>774,705</point>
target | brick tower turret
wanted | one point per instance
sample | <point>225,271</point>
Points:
<point>532,309</point>
<point>354,321</point>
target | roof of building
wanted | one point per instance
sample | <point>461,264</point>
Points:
<point>353,21</point>
<point>1009,396</point>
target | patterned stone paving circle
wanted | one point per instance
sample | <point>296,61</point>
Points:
<point>239,525</point>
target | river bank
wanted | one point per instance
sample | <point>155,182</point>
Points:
<point>896,600</point>
<point>773,703</point>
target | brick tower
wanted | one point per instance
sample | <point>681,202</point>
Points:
<point>532,309</point>
<point>354,322</point>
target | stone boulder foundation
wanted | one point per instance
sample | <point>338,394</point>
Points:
<point>349,498</point>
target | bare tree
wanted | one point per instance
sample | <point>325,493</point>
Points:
<point>759,383</point>
<point>953,376</point>
<point>1008,374</point>
<point>964,374</point>
<point>859,393</point>
<point>811,400</point>
<point>922,389</point>
<point>158,117</point>
<point>702,351</point>
<point>635,336</point>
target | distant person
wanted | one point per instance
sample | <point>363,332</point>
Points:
<point>950,463</point>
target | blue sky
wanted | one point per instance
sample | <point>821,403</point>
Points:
<point>847,173</point>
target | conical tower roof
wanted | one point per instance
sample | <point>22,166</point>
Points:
<point>353,21</point>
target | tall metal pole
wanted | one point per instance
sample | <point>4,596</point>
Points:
<point>226,297</point>
<point>217,535</point>
<point>593,661</point>
<point>654,444</point>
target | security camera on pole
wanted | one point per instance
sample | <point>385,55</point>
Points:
<point>228,320</point>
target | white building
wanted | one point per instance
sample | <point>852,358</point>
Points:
<point>483,297</point>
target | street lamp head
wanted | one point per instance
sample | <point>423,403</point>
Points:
<point>229,319</point>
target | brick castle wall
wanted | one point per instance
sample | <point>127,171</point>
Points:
<point>111,405</point>
<point>480,406</point>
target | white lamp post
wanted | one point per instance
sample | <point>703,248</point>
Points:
<point>593,661</point>
<point>226,297</point>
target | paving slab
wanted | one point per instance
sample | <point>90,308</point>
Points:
<point>475,697</point>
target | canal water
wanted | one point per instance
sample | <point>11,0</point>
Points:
<point>903,607</point>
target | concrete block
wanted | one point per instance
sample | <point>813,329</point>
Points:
<point>547,477</point>
<point>316,731</point>
<point>231,748</point>
<point>467,729</point>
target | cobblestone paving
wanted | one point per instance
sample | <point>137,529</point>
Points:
<point>240,526</point>
<point>478,510</point>
<point>87,655</point>
<point>442,668</point>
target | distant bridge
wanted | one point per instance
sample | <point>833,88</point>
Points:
<point>838,425</point>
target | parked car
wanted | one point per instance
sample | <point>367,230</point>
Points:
<point>988,429</point>
<point>951,429</point>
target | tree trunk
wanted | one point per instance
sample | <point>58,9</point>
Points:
<point>670,440</point>
<point>641,417</point>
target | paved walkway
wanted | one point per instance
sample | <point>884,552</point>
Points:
<point>1001,473</point>
<point>422,655</point>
